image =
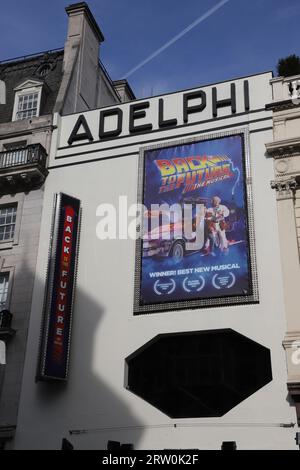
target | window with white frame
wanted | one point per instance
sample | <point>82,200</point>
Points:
<point>8,215</point>
<point>27,100</point>
<point>4,277</point>
<point>27,106</point>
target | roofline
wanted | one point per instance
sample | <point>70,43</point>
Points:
<point>107,76</point>
<point>31,56</point>
<point>125,82</point>
<point>177,91</point>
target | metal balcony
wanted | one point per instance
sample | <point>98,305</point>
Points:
<point>22,169</point>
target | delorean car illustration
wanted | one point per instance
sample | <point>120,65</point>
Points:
<point>177,234</point>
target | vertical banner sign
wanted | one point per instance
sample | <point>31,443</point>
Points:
<point>59,295</point>
<point>197,247</point>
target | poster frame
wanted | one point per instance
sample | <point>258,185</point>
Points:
<point>253,296</point>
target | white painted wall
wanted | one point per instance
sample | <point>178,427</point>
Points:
<point>105,330</point>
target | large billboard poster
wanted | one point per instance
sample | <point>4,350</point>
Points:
<point>196,247</point>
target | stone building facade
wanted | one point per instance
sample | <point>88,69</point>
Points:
<point>33,90</point>
<point>285,150</point>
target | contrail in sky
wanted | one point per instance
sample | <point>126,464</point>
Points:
<point>199,20</point>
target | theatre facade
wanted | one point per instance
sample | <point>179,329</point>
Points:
<point>155,327</point>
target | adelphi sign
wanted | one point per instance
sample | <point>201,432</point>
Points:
<point>192,102</point>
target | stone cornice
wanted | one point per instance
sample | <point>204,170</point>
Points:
<point>291,338</point>
<point>279,105</point>
<point>26,126</point>
<point>282,148</point>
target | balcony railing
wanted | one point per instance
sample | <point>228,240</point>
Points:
<point>23,166</point>
<point>23,156</point>
<point>294,90</point>
<point>286,91</point>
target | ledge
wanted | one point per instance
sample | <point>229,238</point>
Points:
<point>282,147</point>
<point>290,338</point>
<point>284,104</point>
<point>26,126</point>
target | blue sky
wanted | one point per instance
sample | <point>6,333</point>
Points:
<point>241,38</point>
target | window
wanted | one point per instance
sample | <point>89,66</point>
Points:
<point>11,210</point>
<point>27,100</point>
<point>8,216</point>
<point>27,106</point>
<point>3,289</point>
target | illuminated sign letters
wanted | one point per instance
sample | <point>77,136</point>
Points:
<point>60,287</point>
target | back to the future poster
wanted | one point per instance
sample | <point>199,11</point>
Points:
<point>195,248</point>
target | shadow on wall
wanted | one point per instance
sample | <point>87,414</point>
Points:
<point>86,403</point>
<point>21,280</point>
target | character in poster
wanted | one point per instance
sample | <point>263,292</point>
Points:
<point>195,238</point>
<point>216,226</point>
